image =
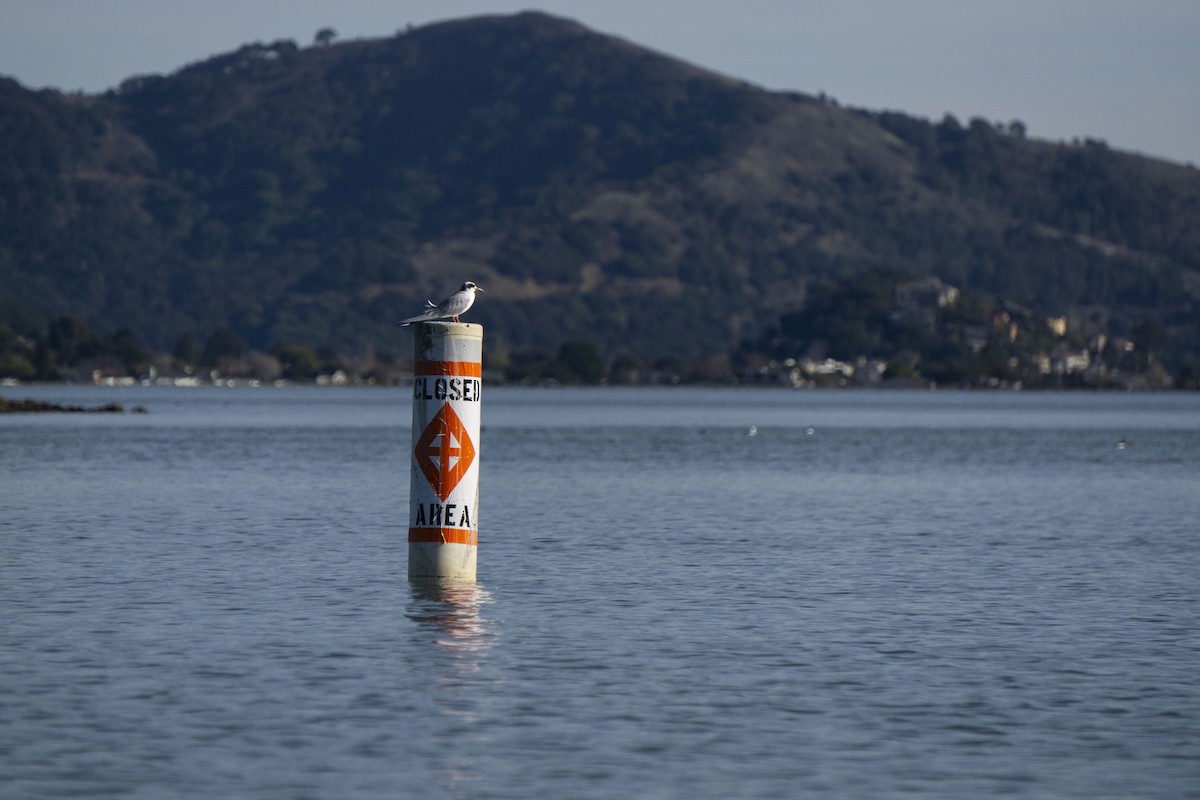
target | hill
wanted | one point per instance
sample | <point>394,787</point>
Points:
<point>600,192</point>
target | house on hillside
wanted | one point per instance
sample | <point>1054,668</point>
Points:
<point>928,292</point>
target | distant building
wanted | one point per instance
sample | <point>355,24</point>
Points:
<point>827,367</point>
<point>925,293</point>
<point>1019,313</point>
<point>1005,325</point>
<point>869,371</point>
<point>1068,363</point>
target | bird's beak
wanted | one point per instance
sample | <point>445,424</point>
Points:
<point>479,288</point>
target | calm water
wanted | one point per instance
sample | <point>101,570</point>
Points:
<point>928,595</point>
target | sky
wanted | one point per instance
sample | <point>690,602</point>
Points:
<point>1123,71</point>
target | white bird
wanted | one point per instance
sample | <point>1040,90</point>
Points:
<point>451,307</point>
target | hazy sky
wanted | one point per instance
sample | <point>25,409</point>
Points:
<point>1127,71</point>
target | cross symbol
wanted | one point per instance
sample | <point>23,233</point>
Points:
<point>434,457</point>
<point>443,451</point>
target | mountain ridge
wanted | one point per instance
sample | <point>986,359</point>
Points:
<point>599,191</point>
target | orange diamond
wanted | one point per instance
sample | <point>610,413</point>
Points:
<point>445,451</point>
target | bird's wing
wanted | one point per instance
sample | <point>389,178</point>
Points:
<point>452,306</point>
<point>432,313</point>
<point>457,304</point>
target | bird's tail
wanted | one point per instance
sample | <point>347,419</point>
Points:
<point>430,307</point>
<point>404,323</point>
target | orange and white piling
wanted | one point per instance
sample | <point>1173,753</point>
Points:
<point>443,513</point>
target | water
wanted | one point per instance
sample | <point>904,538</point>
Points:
<point>928,595</point>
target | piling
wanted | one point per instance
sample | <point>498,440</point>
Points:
<point>443,514</point>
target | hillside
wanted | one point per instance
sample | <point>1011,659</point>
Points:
<point>599,191</point>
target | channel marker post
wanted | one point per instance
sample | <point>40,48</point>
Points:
<point>443,513</point>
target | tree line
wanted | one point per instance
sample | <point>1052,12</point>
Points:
<point>865,330</point>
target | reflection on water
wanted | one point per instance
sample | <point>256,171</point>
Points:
<point>454,611</point>
<point>461,636</point>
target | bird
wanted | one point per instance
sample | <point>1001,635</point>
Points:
<point>451,307</point>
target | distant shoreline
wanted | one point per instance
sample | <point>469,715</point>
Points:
<point>10,406</point>
<point>39,407</point>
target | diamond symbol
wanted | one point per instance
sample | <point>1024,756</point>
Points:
<point>445,451</point>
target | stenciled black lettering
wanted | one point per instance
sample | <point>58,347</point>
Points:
<point>439,388</point>
<point>420,514</point>
<point>465,522</point>
<point>435,514</point>
<point>455,388</point>
<point>450,514</point>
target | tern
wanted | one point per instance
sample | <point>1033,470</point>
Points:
<point>451,307</point>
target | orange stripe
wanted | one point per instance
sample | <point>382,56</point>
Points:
<point>444,535</point>
<point>468,369</point>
